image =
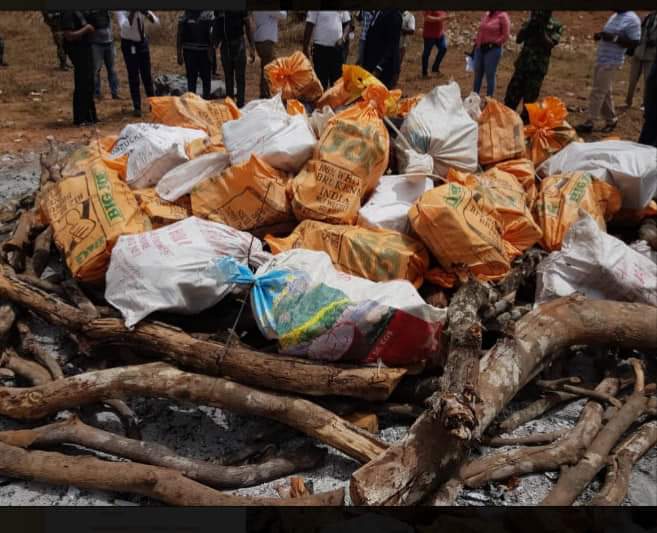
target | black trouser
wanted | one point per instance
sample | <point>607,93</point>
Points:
<point>138,64</point>
<point>2,50</point>
<point>525,87</point>
<point>649,131</point>
<point>197,62</point>
<point>84,108</point>
<point>233,60</point>
<point>327,62</point>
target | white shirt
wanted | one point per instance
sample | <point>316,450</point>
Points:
<point>408,24</point>
<point>328,26</point>
<point>131,31</point>
<point>266,25</point>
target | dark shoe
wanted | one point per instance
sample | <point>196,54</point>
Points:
<point>136,113</point>
<point>587,127</point>
<point>116,97</point>
<point>425,75</point>
<point>610,126</point>
<point>4,65</point>
<point>98,96</point>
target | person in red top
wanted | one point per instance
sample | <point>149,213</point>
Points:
<point>494,31</point>
<point>433,36</point>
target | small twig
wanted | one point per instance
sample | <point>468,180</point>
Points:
<point>593,394</point>
<point>29,370</point>
<point>78,297</point>
<point>535,410</point>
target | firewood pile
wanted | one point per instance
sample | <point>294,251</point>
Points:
<point>497,345</point>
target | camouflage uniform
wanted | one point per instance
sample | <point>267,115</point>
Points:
<point>534,59</point>
<point>53,20</point>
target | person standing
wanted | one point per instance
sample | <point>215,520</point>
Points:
<point>328,31</point>
<point>540,34</point>
<point>54,21</point>
<point>622,31</point>
<point>194,44</point>
<point>229,36</point>
<point>77,43</point>
<point>365,18</point>
<point>643,57</point>
<point>407,29</point>
<point>649,131</point>
<point>382,46</point>
<point>434,35</point>
<point>494,31</point>
<point>265,35</point>
<point>136,52</point>
<point>102,44</point>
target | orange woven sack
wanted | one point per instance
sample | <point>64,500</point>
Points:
<point>245,196</point>
<point>561,197</point>
<point>525,172</point>
<point>294,77</point>
<point>547,132</point>
<point>294,107</point>
<point>88,213</point>
<point>160,212</point>
<point>192,111</point>
<point>351,156</point>
<point>503,191</point>
<point>462,230</point>
<point>500,134</point>
<point>375,254</point>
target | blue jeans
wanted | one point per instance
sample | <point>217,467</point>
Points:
<point>649,131</point>
<point>104,54</point>
<point>486,63</point>
<point>429,43</point>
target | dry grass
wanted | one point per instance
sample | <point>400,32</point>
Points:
<point>36,98</point>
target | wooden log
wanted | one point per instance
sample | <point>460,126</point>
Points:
<point>527,440</point>
<point>163,484</point>
<point>162,380</point>
<point>33,372</point>
<point>74,431</point>
<point>30,345</point>
<point>246,366</point>
<point>574,480</point>
<point>41,253</point>
<point>621,462</point>
<point>421,462</point>
<point>77,296</point>
<point>534,410</point>
<point>566,451</point>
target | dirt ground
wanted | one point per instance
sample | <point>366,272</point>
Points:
<point>36,97</point>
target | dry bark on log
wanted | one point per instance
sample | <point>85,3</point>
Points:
<point>41,253</point>
<point>128,417</point>
<point>41,284</point>
<point>617,480</point>
<point>163,484</point>
<point>162,380</point>
<point>16,247</point>
<point>246,366</point>
<point>566,451</point>
<point>574,480</point>
<point>33,372</point>
<point>74,431</point>
<point>439,438</point>
<point>407,472</point>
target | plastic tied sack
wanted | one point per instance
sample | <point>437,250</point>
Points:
<point>313,311</point>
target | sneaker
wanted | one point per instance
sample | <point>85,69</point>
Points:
<point>587,127</point>
<point>610,126</point>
